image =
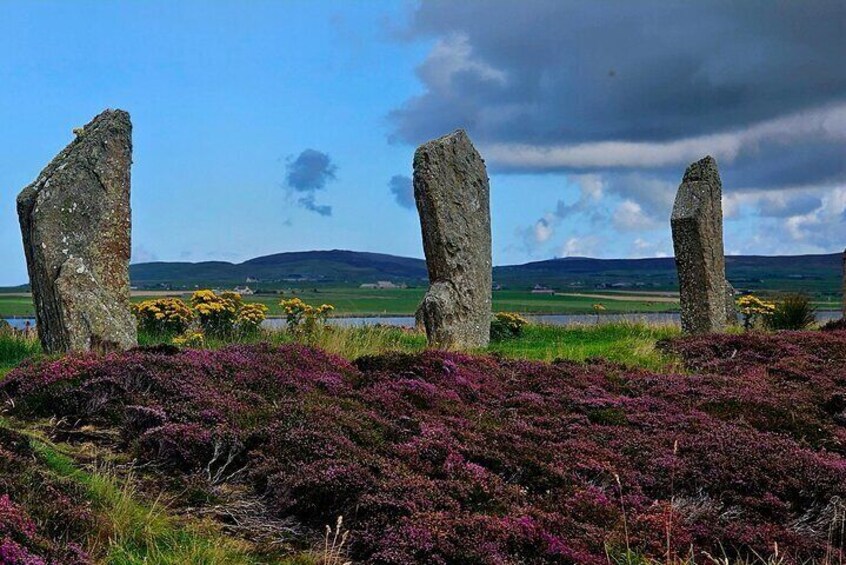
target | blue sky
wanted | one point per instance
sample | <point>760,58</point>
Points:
<point>262,127</point>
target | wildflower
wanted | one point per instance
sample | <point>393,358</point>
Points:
<point>250,317</point>
<point>217,313</point>
<point>190,338</point>
<point>507,325</point>
<point>304,318</point>
<point>163,315</point>
<point>753,308</point>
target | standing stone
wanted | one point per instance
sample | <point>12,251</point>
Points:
<point>843,298</point>
<point>75,221</point>
<point>731,305</point>
<point>453,200</point>
<point>697,225</point>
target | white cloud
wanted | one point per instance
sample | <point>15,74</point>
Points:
<point>543,229</point>
<point>582,246</point>
<point>643,248</point>
<point>629,216</point>
<point>823,226</point>
<point>451,56</point>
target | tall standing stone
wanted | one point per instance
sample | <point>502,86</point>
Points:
<point>453,200</point>
<point>697,225</point>
<point>75,221</point>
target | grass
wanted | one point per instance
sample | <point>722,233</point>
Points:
<point>368,302</point>
<point>16,306</point>
<point>627,343</point>
<point>623,342</point>
<point>14,348</point>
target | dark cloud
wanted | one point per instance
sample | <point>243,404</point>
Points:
<point>778,165</point>
<point>786,207</point>
<point>307,174</point>
<point>402,188</point>
<point>555,71</point>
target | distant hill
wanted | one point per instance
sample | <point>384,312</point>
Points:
<point>336,266</point>
<point>819,274</point>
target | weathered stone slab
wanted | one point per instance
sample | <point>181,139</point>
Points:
<point>75,221</point>
<point>731,306</point>
<point>453,199</point>
<point>843,300</point>
<point>697,226</point>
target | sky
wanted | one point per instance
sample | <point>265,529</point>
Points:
<point>262,127</point>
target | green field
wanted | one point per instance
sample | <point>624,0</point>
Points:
<point>368,302</point>
<point>15,306</point>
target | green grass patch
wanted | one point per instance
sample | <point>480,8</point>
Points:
<point>14,348</point>
<point>16,306</point>
<point>628,343</point>
<point>404,302</point>
<point>624,342</point>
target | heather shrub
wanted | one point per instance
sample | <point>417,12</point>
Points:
<point>834,325</point>
<point>163,316</point>
<point>42,520</point>
<point>507,325</point>
<point>442,457</point>
<point>792,312</point>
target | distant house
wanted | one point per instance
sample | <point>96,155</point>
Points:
<point>381,285</point>
<point>540,289</point>
<point>243,290</point>
<point>252,280</point>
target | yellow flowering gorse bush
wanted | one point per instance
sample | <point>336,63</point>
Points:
<point>217,312</point>
<point>163,315</point>
<point>302,317</point>
<point>507,325</point>
<point>753,309</point>
<point>190,338</point>
<point>250,317</point>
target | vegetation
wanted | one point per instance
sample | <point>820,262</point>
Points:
<point>834,325</point>
<point>15,346</point>
<point>163,315</point>
<point>217,312</point>
<point>404,301</point>
<point>507,325</point>
<point>54,511</point>
<point>632,456</point>
<point>302,318</point>
<point>754,311</point>
<point>632,344</point>
<point>538,462</point>
<point>792,312</point>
